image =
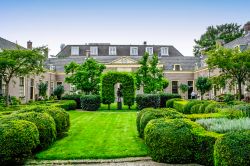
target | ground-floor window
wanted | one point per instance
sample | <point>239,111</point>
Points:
<point>51,87</point>
<point>21,87</point>
<point>175,87</point>
<point>58,83</point>
<point>190,88</point>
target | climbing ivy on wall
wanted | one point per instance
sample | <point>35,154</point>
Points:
<point>108,81</point>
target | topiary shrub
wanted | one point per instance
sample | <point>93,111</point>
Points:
<point>75,97</point>
<point>67,104</point>
<point>44,123</point>
<point>147,101</point>
<point>212,107</point>
<point>165,97</point>
<point>17,140</point>
<point>139,115</point>
<point>155,114</point>
<point>195,109</point>
<point>233,149</point>
<point>170,103</point>
<point>179,105</point>
<point>204,106</point>
<point>90,102</point>
<point>58,91</point>
<point>169,140</point>
<point>189,105</point>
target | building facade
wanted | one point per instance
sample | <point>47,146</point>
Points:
<point>176,67</point>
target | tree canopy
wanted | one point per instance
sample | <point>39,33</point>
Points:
<point>225,32</point>
<point>17,63</point>
<point>85,76</point>
<point>149,75</point>
<point>203,84</point>
<point>234,65</point>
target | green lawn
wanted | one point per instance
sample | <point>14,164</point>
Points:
<point>95,135</point>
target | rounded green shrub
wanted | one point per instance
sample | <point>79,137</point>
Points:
<point>233,149</point>
<point>139,115</point>
<point>212,107</point>
<point>167,96</point>
<point>147,101</point>
<point>169,140</point>
<point>90,102</point>
<point>189,105</point>
<point>17,140</point>
<point>75,97</point>
<point>155,114</point>
<point>44,123</point>
<point>170,103</point>
<point>67,104</point>
<point>195,109</point>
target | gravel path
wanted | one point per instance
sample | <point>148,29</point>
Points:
<point>135,161</point>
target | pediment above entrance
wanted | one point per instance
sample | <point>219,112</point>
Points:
<point>124,60</point>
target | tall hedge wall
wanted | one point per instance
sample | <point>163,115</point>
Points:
<point>109,79</point>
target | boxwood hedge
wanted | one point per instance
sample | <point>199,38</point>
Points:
<point>164,97</point>
<point>147,101</point>
<point>90,102</point>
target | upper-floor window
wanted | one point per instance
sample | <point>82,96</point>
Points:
<point>93,50</point>
<point>177,67</point>
<point>164,51</point>
<point>52,67</point>
<point>112,50</point>
<point>133,50</point>
<point>150,50</point>
<point>74,50</point>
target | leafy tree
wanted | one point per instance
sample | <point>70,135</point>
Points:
<point>203,84</point>
<point>17,63</point>
<point>183,88</point>
<point>58,91</point>
<point>234,64</point>
<point>42,88</point>
<point>85,76</point>
<point>149,76</point>
<point>225,32</point>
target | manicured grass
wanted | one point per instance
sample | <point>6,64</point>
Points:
<point>113,108</point>
<point>95,135</point>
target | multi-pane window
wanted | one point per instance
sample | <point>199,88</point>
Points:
<point>21,86</point>
<point>74,50</point>
<point>58,83</point>
<point>112,50</point>
<point>93,50</point>
<point>150,50</point>
<point>133,50</point>
<point>175,87</point>
<point>177,67</point>
<point>164,51</point>
<point>51,87</point>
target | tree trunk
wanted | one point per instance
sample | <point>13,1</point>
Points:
<point>7,94</point>
<point>240,91</point>
<point>108,106</point>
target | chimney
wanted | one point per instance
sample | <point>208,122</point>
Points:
<point>29,45</point>
<point>247,28</point>
<point>145,43</point>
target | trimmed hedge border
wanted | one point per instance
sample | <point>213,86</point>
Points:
<point>90,102</point>
<point>147,101</point>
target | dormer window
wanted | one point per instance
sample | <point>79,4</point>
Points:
<point>112,50</point>
<point>93,50</point>
<point>177,67</point>
<point>164,51</point>
<point>133,50</point>
<point>52,67</point>
<point>74,50</point>
<point>150,50</point>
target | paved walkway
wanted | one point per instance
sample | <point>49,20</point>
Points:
<point>135,161</point>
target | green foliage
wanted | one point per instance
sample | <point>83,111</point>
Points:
<point>189,105</point>
<point>224,32</point>
<point>165,97</point>
<point>196,109</point>
<point>44,123</point>
<point>156,114</point>
<point>169,140</point>
<point>170,103</point>
<point>147,101</point>
<point>109,79</point>
<point>194,117</point>
<point>150,76</point>
<point>90,102</point>
<point>66,104</point>
<point>85,76</point>
<point>203,106</point>
<point>233,149</point>
<point>139,115</point>
<point>183,88</point>
<point>42,88</point>
<point>213,107</point>
<point>179,105</point>
<point>17,140</point>
<point>75,97</point>
<point>58,91</point>
<point>234,64</point>
<point>203,84</point>
<point>19,62</point>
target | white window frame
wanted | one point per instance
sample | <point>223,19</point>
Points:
<point>149,50</point>
<point>74,50</point>
<point>112,50</point>
<point>133,50</point>
<point>164,51</point>
<point>175,67</point>
<point>94,50</point>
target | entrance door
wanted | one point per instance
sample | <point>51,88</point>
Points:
<point>190,88</point>
<point>31,89</point>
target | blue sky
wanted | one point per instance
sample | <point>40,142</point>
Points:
<point>175,22</point>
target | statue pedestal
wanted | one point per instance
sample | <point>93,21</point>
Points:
<point>119,105</point>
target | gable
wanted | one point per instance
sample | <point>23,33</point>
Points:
<point>124,60</point>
